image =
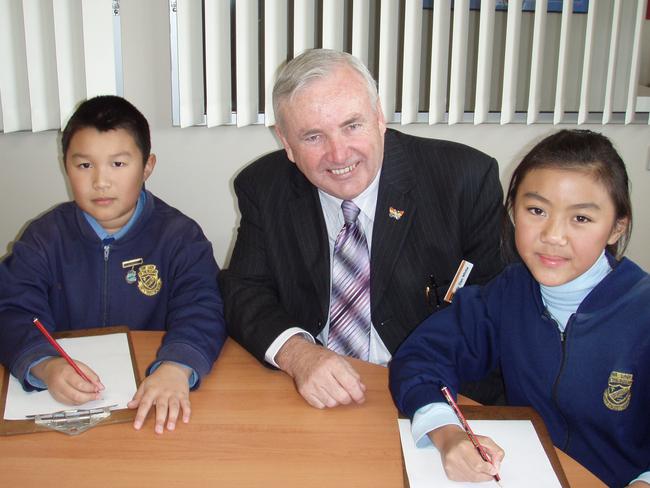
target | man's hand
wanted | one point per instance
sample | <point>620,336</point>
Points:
<point>638,484</point>
<point>322,377</point>
<point>168,389</point>
<point>460,459</point>
<point>64,383</point>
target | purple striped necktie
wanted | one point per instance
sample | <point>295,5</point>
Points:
<point>349,331</point>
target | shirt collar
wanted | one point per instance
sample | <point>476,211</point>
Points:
<point>366,200</point>
<point>101,232</point>
<point>563,300</point>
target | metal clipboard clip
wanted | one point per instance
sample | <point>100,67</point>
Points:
<point>73,422</point>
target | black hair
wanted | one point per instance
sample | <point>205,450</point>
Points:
<point>109,112</point>
<point>578,150</point>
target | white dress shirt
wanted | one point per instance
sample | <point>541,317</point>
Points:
<point>334,221</point>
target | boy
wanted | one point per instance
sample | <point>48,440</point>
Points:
<point>117,255</point>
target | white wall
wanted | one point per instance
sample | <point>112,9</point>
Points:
<point>196,166</point>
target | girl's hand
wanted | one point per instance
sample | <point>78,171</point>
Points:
<point>460,459</point>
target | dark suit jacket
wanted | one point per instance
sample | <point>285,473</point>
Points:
<point>279,274</point>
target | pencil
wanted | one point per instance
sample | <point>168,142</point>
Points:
<point>481,450</point>
<point>60,350</point>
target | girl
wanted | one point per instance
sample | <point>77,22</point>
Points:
<point>569,326</point>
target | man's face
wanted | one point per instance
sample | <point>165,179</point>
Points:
<point>331,131</point>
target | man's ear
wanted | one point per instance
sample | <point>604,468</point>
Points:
<point>285,143</point>
<point>381,120</point>
<point>149,166</point>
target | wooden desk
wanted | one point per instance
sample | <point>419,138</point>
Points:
<point>249,428</point>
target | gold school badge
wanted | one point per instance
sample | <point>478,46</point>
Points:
<point>618,393</point>
<point>148,281</point>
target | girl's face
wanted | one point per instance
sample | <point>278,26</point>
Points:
<point>563,221</point>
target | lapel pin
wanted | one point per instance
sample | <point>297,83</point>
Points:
<point>393,213</point>
<point>131,275</point>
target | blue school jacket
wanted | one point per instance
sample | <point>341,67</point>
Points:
<point>590,384</point>
<point>161,275</point>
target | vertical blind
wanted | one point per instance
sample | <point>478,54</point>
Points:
<point>54,54</point>
<point>446,63</point>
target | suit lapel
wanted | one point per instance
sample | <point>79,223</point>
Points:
<point>390,229</point>
<point>311,236</point>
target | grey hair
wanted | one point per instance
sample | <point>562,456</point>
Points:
<point>316,64</point>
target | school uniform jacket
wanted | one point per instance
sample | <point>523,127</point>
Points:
<point>438,202</point>
<point>590,384</point>
<point>61,272</point>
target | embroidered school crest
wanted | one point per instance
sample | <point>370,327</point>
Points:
<point>618,393</point>
<point>148,282</point>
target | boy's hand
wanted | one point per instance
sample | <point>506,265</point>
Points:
<point>64,383</point>
<point>460,459</point>
<point>168,389</point>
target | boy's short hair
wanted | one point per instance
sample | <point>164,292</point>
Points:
<point>109,112</point>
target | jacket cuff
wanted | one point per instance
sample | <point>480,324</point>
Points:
<point>21,366</point>
<point>184,354</point>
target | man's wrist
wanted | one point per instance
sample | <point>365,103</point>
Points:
<point>285,356</point>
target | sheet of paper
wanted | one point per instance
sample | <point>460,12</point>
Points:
<point>525,463</point>
<point>108,355</point>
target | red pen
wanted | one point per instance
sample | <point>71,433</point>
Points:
<point>481,450</point>
<point>60,350</point>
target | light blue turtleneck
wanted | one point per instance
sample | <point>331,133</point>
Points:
<point>563,300</point>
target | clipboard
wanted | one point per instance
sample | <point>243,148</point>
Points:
<point>478,412</point>
<point>76,420</point>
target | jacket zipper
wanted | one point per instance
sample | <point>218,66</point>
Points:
<point>563,340</point>
<point>107,250</point>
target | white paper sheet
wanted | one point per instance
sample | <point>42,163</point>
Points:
<point>525,463</point>
<point>108,355</point>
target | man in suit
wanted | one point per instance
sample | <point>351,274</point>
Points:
<point>349,237</point>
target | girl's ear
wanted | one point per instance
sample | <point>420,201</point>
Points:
<point>617,230</point>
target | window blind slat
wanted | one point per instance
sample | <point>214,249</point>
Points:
<point>41,64</point>
<point>511,62</point>
<point>68,35</point>
<point>361,29</point>
<point>458,61</point>
<point>388,43</point>
<point>190,63</point>
<point>563,56</point>
<point>611,63</point>
<point>14,92</point>
<point>247,55</point>
<point>641,7</point>
<point>275,40</point>
<point>583,110</point>
<point>411,69</point>
<point>537,61</point>
<point>333,15</point>
<point>217,62</point>
<point>484,63</point>
<point>304,34</point>
<point>439,61</point>
<point>99,53</point>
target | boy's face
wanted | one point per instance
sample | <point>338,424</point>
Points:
<point>106,175</point>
